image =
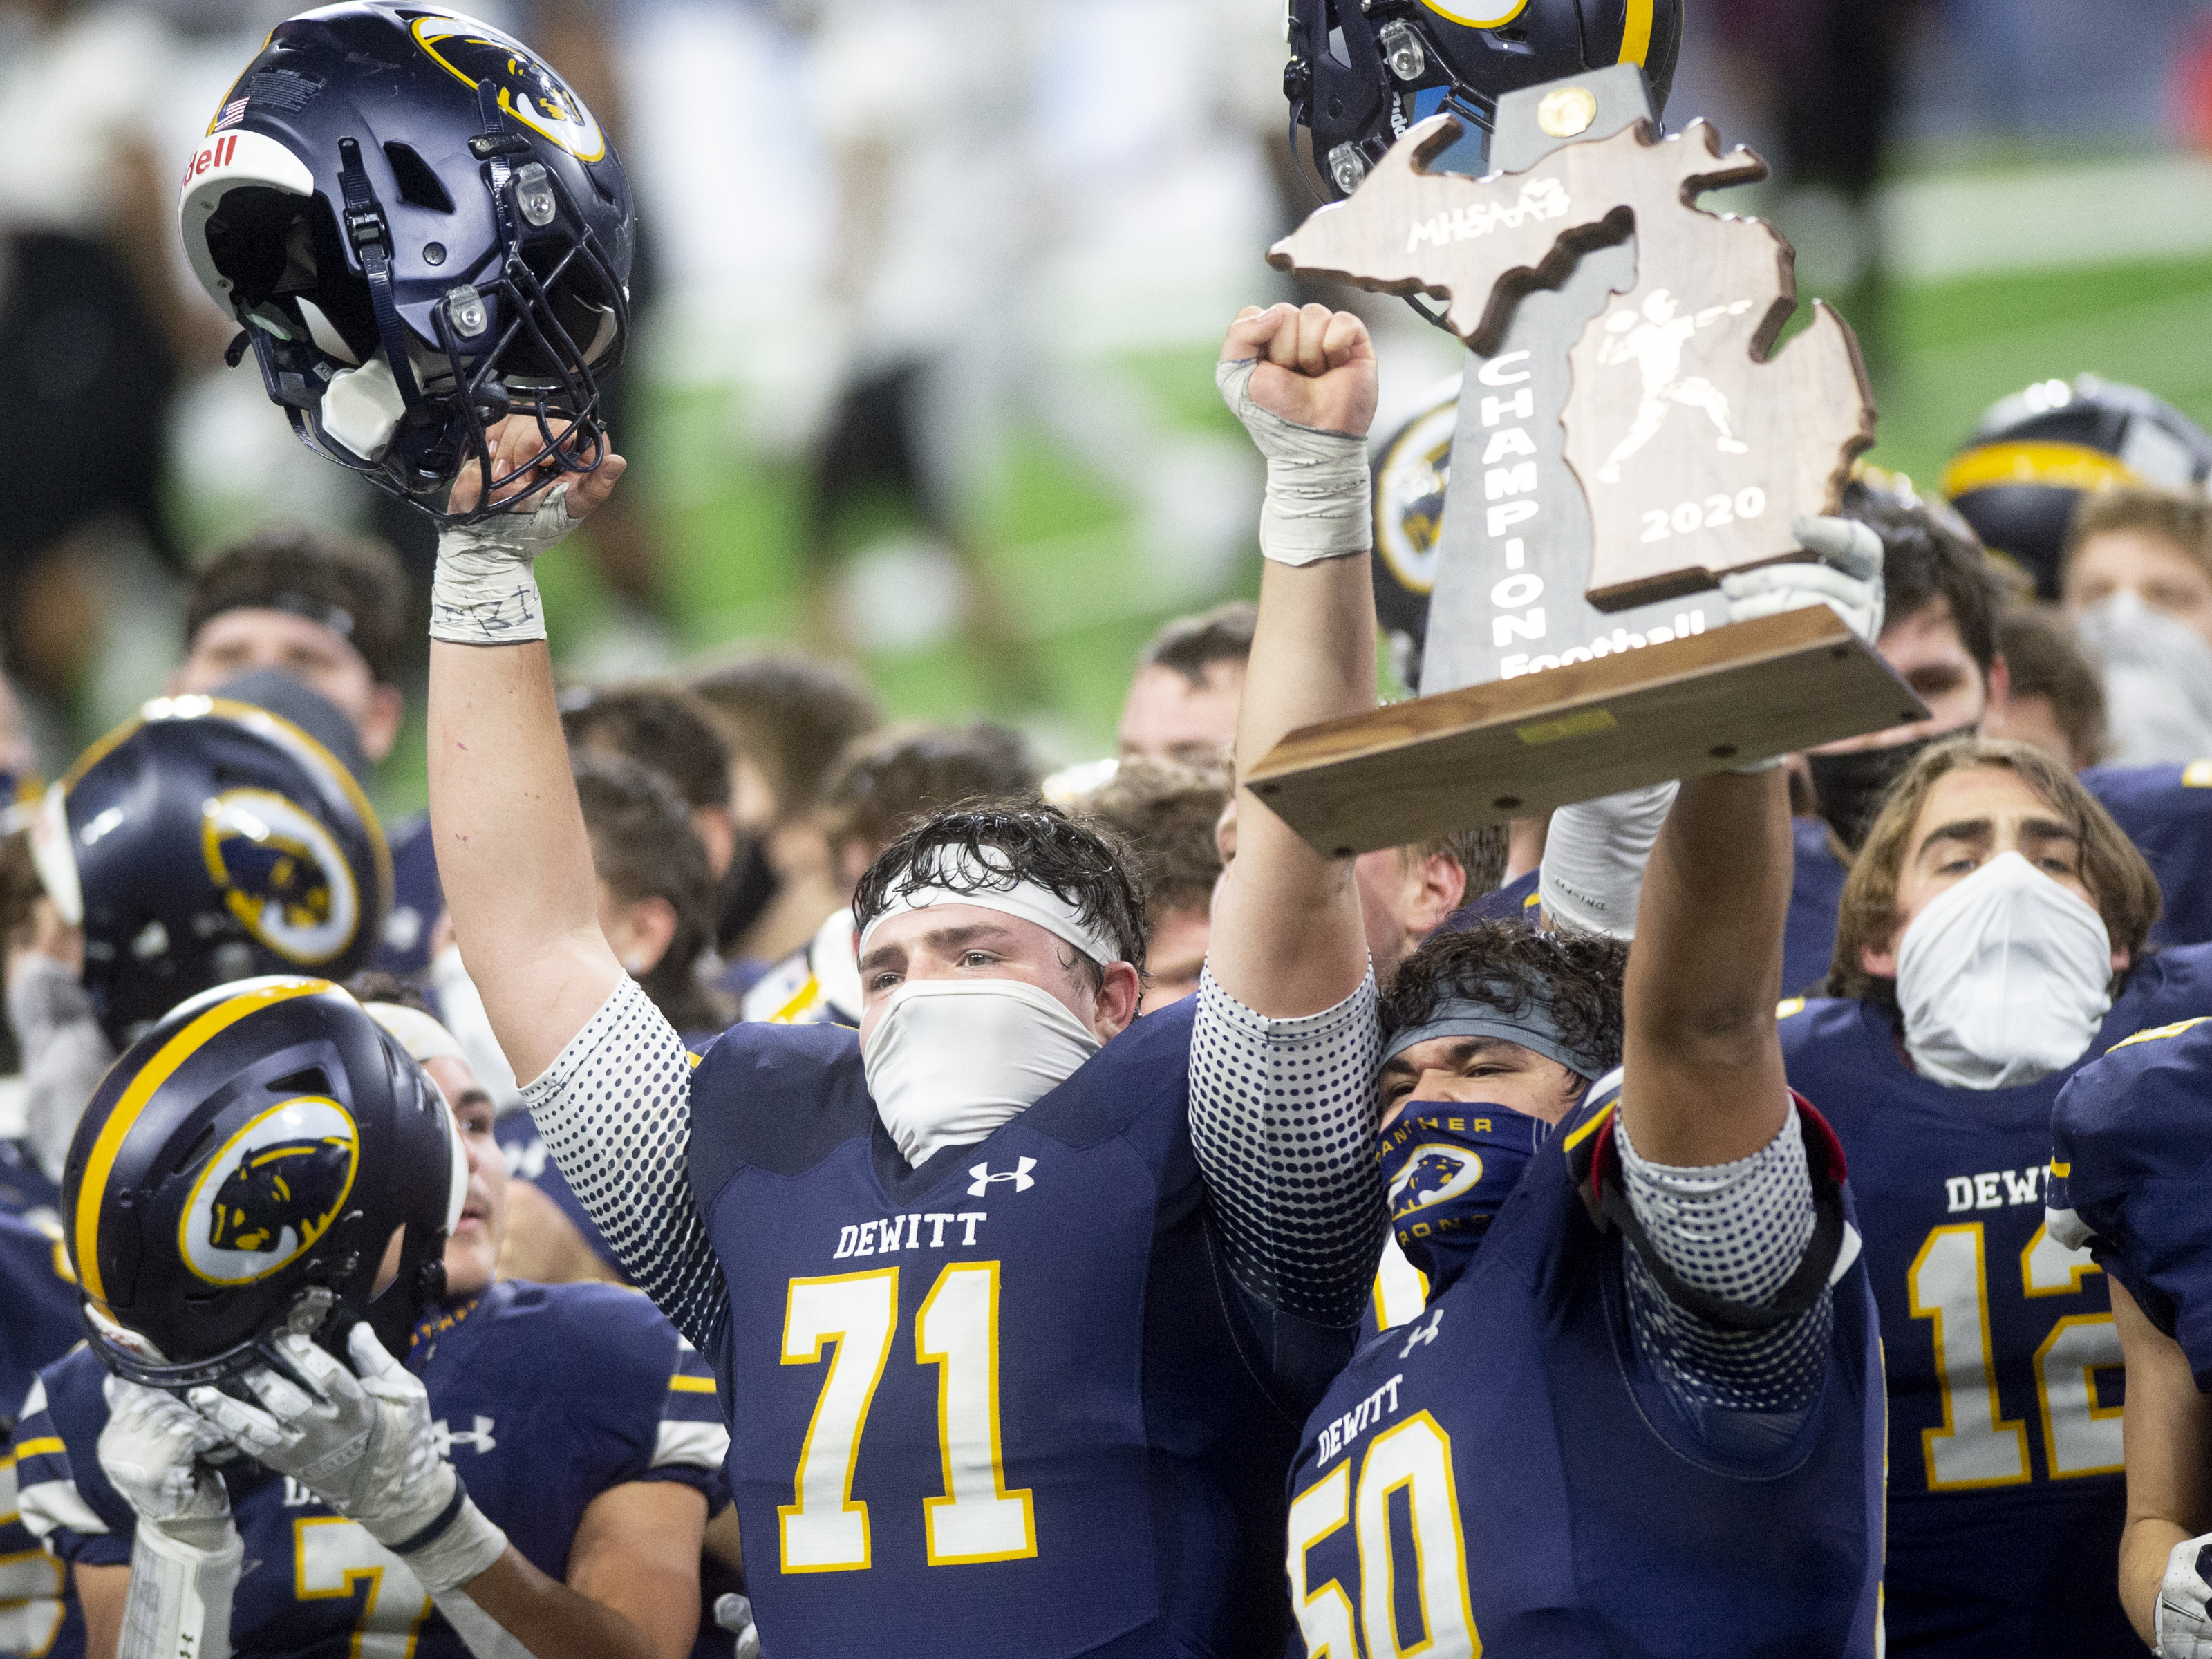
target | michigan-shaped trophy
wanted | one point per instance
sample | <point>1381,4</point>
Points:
<point>1627,433</point>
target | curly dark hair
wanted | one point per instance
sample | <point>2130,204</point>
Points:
<point>1089,865</point>
<point>1505,964</point>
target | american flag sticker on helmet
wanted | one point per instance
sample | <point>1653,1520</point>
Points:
<point>233,114</point>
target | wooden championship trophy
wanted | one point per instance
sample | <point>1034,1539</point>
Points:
<point>1625,439</point>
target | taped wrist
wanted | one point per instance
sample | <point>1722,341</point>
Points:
<point>183,1576</point>
<point>484,591</point>
<point>1320,493</point>
<point>460,1543</point>
<point>1592,877</point>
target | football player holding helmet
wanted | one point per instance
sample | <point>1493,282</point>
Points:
<point>584,1425</point>
<point>1359,75</point>
<point>420,228</point>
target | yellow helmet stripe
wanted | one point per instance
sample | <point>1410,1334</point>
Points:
<point>171,1054</point>
<point>1635,32</point>
<point>2058,467</point>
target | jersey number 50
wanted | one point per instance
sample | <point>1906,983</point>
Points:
<point>1976,1445</point>
<point>1414,1458</point>
<point>956,1330</point>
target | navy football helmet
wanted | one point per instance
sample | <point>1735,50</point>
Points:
<point>1360,74</point>
<point>421,228</point>
<point>209,840</point>
<point>2036,453</point>
<point>243,1171</point>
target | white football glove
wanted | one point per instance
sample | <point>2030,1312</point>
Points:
<point>1845,574</point>
<point>2184,1627</point>
<point>185,1555</point>
<point>735,1613</point>
<point>151,1450</point>
<point>364,1446</point>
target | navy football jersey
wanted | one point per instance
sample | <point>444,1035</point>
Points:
<point>543,1396</point>
<point>1013,1392</point>
<point>1508,1475</point>
<point>38,1325</point>
<point>2167,810</point>
<point>417,900</point>
<point>1517,901</point>
<point>2004,1378</point>
<point>25,1192</point>
<point>1816,895</point>
<point>2130,1140</point>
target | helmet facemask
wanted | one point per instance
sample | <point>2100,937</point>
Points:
<point>396,370</point>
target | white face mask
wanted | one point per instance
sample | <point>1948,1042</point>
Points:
<point>2158,682</point>
<point>951,1060</point>
<point>2003,978</point>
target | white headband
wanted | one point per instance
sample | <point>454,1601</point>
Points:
<point>422,1036</point>
<point>926,887</point>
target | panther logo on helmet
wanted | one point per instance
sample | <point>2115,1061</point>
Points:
<point>271,1191</point>
<point>1438,1171</point>
<point>528,91</point>
<point>281,874</point>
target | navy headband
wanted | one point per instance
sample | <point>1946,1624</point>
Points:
<point>1533,1026</point>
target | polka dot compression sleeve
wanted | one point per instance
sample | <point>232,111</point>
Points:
<point>1282,1116</point>
<point>614,1110</point>
<point>1735,1230</point>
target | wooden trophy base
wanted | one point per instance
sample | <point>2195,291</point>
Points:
<point>1486,753</point>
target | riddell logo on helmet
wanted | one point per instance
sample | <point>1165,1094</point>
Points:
<point>271,1191</point>
<point>219,153</point>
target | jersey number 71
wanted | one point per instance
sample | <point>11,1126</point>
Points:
<point>956,1330</point>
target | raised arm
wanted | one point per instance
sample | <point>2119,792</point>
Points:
<point>599,1064</point>
<point>1705,1079</point>
<point>1283,1049</point>
<point>513,855</point>
<point>1287,939</point>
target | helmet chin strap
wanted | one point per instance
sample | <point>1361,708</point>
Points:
<point>370,232</point>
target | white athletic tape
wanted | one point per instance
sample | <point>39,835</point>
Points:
<point>484,591</point>
<point>1319,491</point>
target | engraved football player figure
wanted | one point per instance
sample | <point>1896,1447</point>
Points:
<point>1653,340</point>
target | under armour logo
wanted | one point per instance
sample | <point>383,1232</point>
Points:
<point>1019,1174</point>
<point>1423,1333</point>
<point>444,1440</point>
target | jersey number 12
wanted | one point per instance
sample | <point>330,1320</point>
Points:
<point>1976,1445</point>
<point>956,1330</point>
